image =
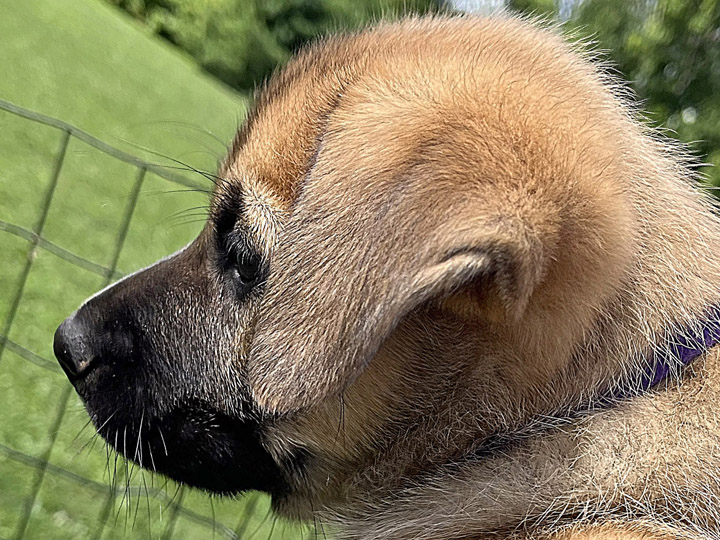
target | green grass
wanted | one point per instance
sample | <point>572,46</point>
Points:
<point>85,63</point>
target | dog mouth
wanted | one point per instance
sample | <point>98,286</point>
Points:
<point>156,367</point>
<point>155,406</point>
<point>144,415</point>
<point>194,445</point>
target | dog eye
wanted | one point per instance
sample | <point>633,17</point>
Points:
<point>246,266</point>
<point>236,255</point>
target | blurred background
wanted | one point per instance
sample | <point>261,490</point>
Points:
<point>113,113</point>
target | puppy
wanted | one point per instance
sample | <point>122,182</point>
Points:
<point>450,288</point>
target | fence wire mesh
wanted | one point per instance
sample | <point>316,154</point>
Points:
<point>252,516</point>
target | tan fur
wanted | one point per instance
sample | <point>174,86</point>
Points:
<point>470,233</point>
<point>614,532</point>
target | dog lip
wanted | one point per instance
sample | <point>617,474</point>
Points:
<point>196,445</point>
<point>229,460</point>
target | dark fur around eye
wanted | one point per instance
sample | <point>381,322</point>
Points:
<point>224,224</point>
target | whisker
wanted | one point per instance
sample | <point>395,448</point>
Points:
<point>214,179</point>
<point>183,190</point>
<point>126,494</point>
<point>187,211</point>
<point>187,222</point>
<point>201,130</point>
<point>152,462</point>
<point>92,440</point>
<point>147,501</point>
<point>138,446</point>
<point>107,464</point>
<point>75,438</point>
<point>105,422</point>
<point>137,505</point>
<point>115,464</point>
<point>191,217</point>
<point>162,438</point>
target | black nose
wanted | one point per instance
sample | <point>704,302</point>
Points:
<point>73,348</point>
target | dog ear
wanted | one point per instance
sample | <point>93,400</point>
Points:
<point>352,260</point>
<point>375,235</point>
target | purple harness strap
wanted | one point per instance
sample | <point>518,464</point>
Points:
<point>686,348</point>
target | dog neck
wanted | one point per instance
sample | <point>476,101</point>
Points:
<point>679,351</point>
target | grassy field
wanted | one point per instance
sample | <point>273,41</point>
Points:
<point>85,63</point>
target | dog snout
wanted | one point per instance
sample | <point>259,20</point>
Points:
<point>73,347</point>
<point>94,335</point>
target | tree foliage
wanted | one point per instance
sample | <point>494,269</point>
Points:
<point>668,49</point>
<point>670,52</point>
<point>241,41</point>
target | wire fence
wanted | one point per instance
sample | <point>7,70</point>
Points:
<point>41,464</point>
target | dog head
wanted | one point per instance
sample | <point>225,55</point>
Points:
<point>414,231</point>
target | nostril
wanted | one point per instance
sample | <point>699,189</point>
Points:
<point>72,347</point>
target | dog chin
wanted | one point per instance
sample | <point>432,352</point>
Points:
<point>194,445</point>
